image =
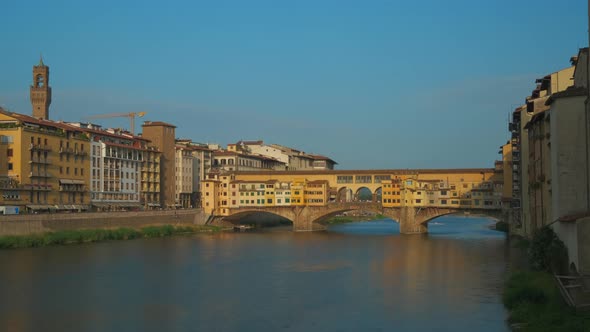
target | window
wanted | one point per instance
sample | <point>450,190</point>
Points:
<point>379,178</point>
<point>67,170</point>
<point>363,179</point>
<point>269,201</point>
<point>61,170</point>
<point>10,166</point>
<point>443,201</point>
<point>9,152</point>
<point>287,200</point>
<point>75,171</point>
<point>418,201</point>
<point>344,179</point>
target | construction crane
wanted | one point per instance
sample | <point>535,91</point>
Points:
<point>131,117</point>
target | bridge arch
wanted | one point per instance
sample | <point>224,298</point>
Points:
<point>344,195</point>
<point>431,218</point>
<point>324,217</point>
<point>378,195</point>
<point>259,217</point>
<point>412,220</point>
<point>363,194</point>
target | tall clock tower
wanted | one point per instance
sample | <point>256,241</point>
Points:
<point>40,91</point>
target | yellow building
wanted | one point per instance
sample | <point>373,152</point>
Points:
<point>46,165</point>
<point>316,193</point>
<point>269,193</point>
<point>211,188</point>
<point>150,178</point>
<point>391,194</point>
<point>251,194</point>
<point>298,192</point>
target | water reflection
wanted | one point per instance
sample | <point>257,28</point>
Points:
<point>355,277</point>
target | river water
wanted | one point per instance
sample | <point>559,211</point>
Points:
<point>361,276</point>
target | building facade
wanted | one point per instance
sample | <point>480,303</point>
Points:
<point>162,137</point>
<point>184,196</point>
<point>45,164</point>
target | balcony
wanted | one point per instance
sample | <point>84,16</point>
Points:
<point>80,152</point>
<point>66,150</point>
<point>42,161</point>
<point>39,175</point>
<point>72,188</point>
<point>37,187</point>
<point>39,147</point>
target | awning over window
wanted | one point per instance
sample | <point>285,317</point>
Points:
<point>116,204</point>
<point>69,181</point>
<point>41,207</point>
<point>72,207</point>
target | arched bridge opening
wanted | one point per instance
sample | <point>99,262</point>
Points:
<point>324,219</point>
<point>259,219</point>
<point>412,220</point>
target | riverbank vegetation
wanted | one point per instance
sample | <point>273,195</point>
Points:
<point>502,226</point>
<point>532,297</point>
<point>535,304</point>
<point>98,235</point>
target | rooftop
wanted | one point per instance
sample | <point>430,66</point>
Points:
<point>157,124</point>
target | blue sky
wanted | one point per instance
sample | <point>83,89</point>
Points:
<point>372,84</point>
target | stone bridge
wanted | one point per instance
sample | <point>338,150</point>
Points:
<point>412,220</point>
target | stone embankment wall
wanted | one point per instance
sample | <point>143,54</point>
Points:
<point>39,223</point>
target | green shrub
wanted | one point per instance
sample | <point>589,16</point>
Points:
<point>96,235</point>
<point>547,252</point>
<point>523,287</point>
<point>502,226</point>
<point>534,301</point>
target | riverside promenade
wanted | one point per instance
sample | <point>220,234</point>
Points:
<point>39,223</point>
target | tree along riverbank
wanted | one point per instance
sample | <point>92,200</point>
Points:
<point>531,294</point>
<point>99,235</point>
<point>347,219</point>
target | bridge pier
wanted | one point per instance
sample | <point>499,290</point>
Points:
<point>409,222</point>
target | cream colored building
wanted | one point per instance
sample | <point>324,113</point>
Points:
<point>531,182</point>
<point>251,194</point>
<point>237,161</point>
<point>184,176</point>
